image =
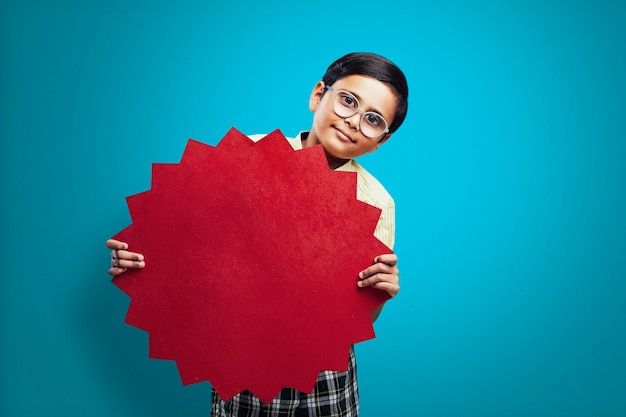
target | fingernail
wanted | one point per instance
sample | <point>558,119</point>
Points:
<point>361,274</point>
<point>141,264</point>
<point>360,283</point>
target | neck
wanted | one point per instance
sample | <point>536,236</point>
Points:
<point>333,162</point>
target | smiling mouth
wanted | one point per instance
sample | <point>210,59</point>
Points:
<point>344,135</point>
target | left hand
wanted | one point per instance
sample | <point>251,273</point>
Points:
<point>383,275</point>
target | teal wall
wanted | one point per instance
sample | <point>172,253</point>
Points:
<point>509,177</point>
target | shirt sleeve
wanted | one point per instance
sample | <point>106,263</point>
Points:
<point>386,227</point>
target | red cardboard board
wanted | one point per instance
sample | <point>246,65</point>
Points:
<point>252,258</point>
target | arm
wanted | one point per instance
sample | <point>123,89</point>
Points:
<point>382,275</point>
<point>121,258</point>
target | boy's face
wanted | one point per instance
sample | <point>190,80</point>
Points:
<point>341,137</point>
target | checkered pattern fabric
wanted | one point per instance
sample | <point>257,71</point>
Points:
<point>335,395</point>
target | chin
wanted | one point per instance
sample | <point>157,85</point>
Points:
<point>338,154</point>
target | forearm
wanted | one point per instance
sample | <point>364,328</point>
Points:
<point>376,312</point>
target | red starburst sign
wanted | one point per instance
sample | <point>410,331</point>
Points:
<point>252,258</point>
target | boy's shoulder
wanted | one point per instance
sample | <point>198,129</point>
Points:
<point>371,189</point>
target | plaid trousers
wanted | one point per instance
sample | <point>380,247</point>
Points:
<point>335,395</point>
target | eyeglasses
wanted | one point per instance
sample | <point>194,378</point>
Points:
<point>345,104</point>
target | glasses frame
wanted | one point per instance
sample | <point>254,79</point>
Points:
<point>357,110</point>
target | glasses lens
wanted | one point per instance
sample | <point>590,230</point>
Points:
<point>345,104</point>
<point>373,124</point>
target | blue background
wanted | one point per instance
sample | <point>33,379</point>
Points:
<point>509,176</point>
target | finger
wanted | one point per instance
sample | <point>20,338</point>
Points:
<point>133,256</point>
<point>116,244</point>
<point>116,271</point>
<point>124,263</point>
<point>388,259</point>
<point>376,278</point>
<point>392,289</point>
<point>378,268</point>
<point>382,263</point>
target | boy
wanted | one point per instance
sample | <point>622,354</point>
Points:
<point>361,100</point>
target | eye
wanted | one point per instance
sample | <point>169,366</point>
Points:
<point>348,100</point>
<point>374,119</point>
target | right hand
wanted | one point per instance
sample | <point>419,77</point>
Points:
<point>122,259</point>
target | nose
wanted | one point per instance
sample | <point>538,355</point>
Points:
<point>354,121</point>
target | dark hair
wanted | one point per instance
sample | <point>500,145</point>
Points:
<point>374,66</point>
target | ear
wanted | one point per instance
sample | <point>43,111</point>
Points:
<point>381,141</point>
<point>316,95</point>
